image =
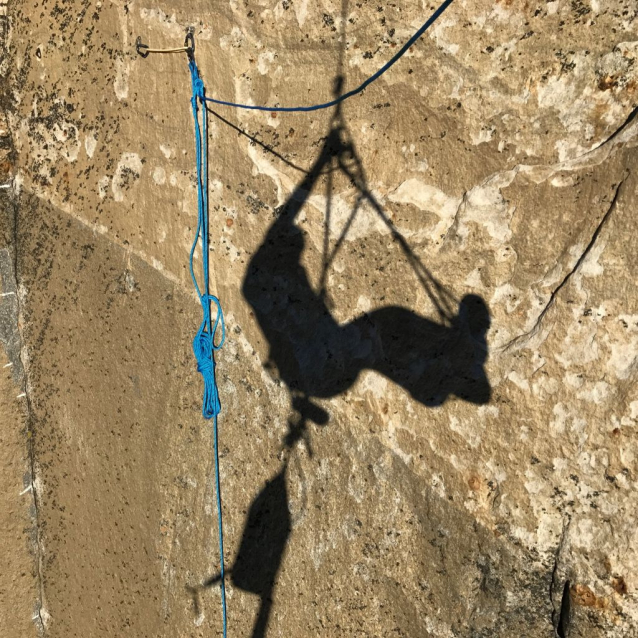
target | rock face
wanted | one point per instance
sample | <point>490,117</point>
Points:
<point>430,414</point>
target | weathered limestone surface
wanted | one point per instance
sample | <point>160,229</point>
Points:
<point>388,468</point>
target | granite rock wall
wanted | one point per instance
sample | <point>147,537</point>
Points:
<point>430,412</point>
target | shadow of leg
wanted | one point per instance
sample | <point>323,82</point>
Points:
<point>430,360</point>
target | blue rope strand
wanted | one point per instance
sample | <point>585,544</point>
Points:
<point>204,345</point>
<point>316,107</point>
<point>220,530</point>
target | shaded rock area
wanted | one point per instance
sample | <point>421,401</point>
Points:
<point>429,421</point>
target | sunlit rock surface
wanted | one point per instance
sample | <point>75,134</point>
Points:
<point>429,422</point>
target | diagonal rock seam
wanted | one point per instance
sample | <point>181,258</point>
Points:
<point>525,336</point>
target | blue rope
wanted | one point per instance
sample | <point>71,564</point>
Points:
<point>316,107</point>
<point>204,345</point>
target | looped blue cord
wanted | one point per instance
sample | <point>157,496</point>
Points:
<point>316,107</point>
<point>203,347</point>
<point>204,342</point>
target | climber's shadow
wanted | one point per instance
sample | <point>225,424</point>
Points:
<point>318,357</point>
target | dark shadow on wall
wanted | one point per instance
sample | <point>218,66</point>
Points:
<point>317,357</point>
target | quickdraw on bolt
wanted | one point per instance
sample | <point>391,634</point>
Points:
<point>188,48</point>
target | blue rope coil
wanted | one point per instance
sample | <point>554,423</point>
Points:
<point>204,346</point>
<point>325,105</point>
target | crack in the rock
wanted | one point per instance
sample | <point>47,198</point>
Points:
<point>560,616</point>
<point>557,557</point>
<point>630,118</point>
<point>38,617</point>
<point>525,336</point>
<point>563,623</point>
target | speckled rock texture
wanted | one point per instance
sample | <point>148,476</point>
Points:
<point>430,413</point>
